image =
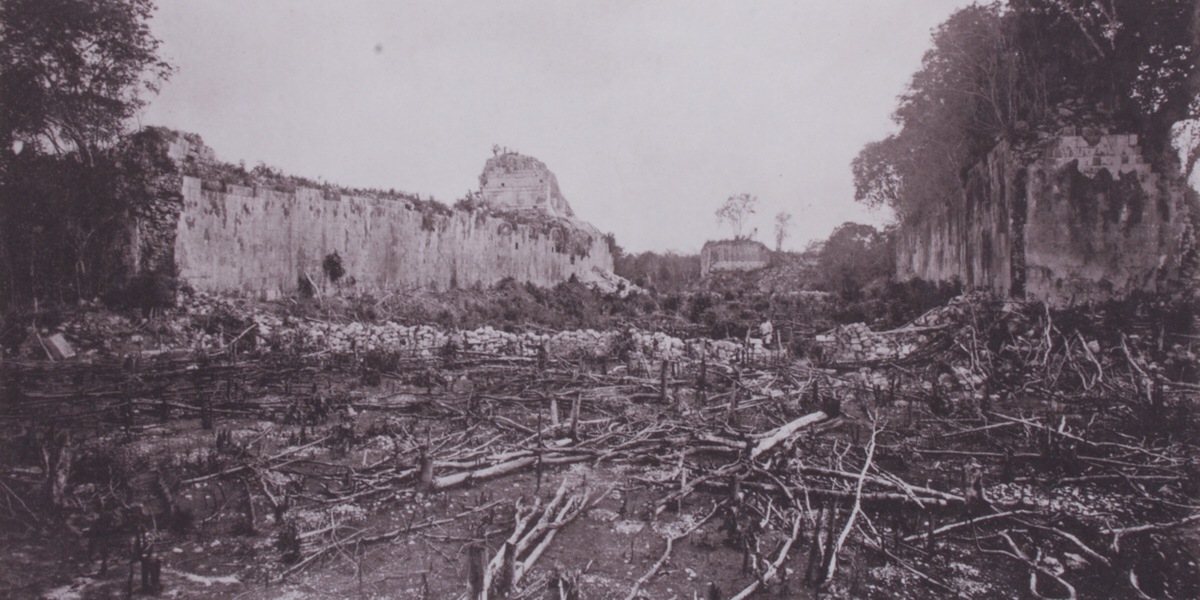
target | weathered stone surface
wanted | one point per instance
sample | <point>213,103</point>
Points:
<point>263,238</point>
<point>258,240</point>
<point>276,333</point>
<point>1086,219</point>
<point>58,347</point>
<point>221,237</point>
<point>733,255</point>
<point>517,182</point>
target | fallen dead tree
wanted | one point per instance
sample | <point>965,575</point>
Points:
<point>986,428</point>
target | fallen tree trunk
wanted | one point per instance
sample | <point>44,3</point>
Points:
<point>772,438</point>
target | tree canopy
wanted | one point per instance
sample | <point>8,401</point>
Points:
<point>663,272</point>
<point>783,228</point>
<point>854,256</point>
<point>736,211</point>
<point>1011,71</point>
<point>72,72</point>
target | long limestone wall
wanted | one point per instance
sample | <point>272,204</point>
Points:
<point>240,239</point>
<point>1085,218</point>
<point>971,240</point>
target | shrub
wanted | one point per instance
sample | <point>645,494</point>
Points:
<point>304,284</point>
<point>332,265</point>
<point>145,291</point>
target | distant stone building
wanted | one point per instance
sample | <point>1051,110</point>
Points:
<point>517,182</point>
<point>733,255</point>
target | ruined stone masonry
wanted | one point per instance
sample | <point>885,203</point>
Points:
<point>733,255</point>
<point>1084,218</point>
<point>517,182</point>
<point>237,239</point>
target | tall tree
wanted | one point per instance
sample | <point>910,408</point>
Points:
<point>736,211</point>
<point>946,115</point>
<point>783,226</point>
<point>1011,72</point>
<point>854,256</point>
<point>72,72</point>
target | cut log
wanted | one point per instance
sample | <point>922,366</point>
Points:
<point>776,436</point>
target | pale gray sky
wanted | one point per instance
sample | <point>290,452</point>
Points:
<point>651,113</point>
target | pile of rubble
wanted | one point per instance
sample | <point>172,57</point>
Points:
<point>856,343</point>
<point>954,380</point>
<point>965,353</point>
<point>426,341</point>
<point>208,324</point>
<point>607,282</point>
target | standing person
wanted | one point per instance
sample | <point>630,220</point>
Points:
<point>766,330</point>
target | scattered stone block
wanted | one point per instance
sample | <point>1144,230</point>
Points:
<point>58,347</point>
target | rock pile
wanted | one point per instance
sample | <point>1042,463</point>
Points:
<point>607,282</point>
<point>856,343</point>
<point>206,323</point>
<point>425,340</point>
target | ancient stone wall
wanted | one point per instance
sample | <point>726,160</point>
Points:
<point>240,239</point>
<point>1082,218</point>
<point>733,255</point>
<point>142,242</point>
<point>1102,222</point>
<point>969,240</point>
<point>153,221</point>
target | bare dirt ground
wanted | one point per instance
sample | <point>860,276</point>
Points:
<point>1011,455</point>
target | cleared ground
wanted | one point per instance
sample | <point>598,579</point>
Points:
<point>1012,454</point>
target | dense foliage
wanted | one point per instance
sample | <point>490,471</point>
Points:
<point>63,219</point>
<point>1012,71</point>
<point>854,257</point>
<point>665,272</point>
<point>72,73</point>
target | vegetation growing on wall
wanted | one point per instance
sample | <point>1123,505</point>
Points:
<point>332,266</point>
<point>72,74</point>
<point>568,236</point>
<point>1015,70</point>
<point>67,224</point>
<point>218,176</point>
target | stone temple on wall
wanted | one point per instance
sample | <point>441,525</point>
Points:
<point>512,181</point>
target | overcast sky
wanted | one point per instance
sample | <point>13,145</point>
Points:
<point>650,113</point>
